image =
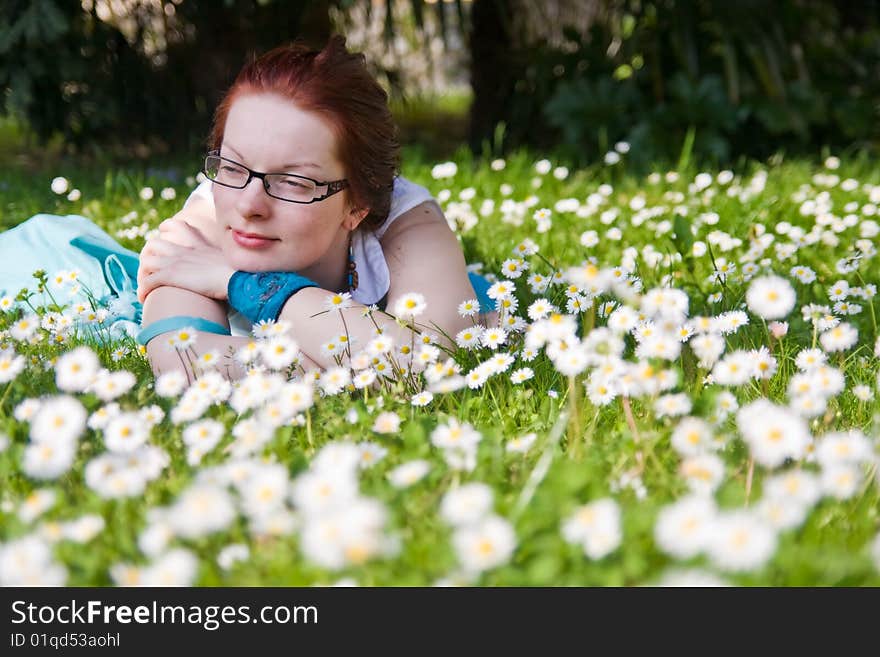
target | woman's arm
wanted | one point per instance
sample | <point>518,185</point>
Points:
<point>423,256</point>
<point>168,301</point>
<point>198,213</point>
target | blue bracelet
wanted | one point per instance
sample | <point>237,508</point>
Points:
<point>177,322</point>
<point>261,296</point>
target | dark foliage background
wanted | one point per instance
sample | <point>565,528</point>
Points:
<point>743,78</point>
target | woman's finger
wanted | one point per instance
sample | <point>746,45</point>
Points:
<point>146,284</point>
<point>165,247</point>
<point>181,232</point>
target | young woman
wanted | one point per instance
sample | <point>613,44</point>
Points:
<point>302,206</point>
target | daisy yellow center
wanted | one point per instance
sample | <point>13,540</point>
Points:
<point>357,553</point>
<point>587,516</point>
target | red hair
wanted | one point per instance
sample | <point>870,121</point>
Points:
<point>335,84</point>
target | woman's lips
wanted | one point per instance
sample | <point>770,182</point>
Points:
<point>252,241</point>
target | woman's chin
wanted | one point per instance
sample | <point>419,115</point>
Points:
<point>246,260</point>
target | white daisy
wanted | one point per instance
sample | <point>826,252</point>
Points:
<point>485,545</point>
<point>408,473</point>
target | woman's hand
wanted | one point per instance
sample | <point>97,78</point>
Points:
<point>182,257</point>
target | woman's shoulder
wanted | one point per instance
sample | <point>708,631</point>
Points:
<point>405,196</point>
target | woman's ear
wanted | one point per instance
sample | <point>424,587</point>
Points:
<point>354,217</point>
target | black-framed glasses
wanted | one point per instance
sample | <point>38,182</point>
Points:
<point>283,186</point>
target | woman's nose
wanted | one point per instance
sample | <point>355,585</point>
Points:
<point>253,202</point>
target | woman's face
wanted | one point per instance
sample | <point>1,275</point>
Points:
<point>268,133</point>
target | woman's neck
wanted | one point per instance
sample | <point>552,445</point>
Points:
<point>330,272</point>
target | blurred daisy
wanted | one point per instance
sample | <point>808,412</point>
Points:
<point>740,541</point>
<point>683,528</point>
<point>703,472</point>
<point>692,436</point>
<point>521,444</point>
<point>125,433</point>
<point>35,504</point>
<point>485,545</point>
<point>76,369</point>
<point>58,419</point>
<point>183,338</point>
<point>840,480</point>
<point>11,365</point>
<point>596,527</point>
<point>201,510</point>
<point>232,554</point>
<point>408,473</point>
<point>279,352</point>
<point>422,398</point>
<point>467,504</point>
<point>170,384</point>
<point>48,459</point>
<point>522,375</point>
<point>841,337</point>
<point>370,454</point>
<point>338,301</point>
<point>386,422</point>
<point>772,432</point>
<point>409,305</point>
<point>469,337</point>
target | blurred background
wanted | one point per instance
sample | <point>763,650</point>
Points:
<point>140,78</point>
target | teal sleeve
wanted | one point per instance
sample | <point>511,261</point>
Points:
<point>481,285</point>
<point>178,322</point>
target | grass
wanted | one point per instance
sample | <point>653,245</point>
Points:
<point>583,451</point>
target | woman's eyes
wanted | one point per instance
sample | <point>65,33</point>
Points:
<point>293,182</point>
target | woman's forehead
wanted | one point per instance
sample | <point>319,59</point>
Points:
<point>273,130</point>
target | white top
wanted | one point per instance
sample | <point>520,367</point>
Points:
<point>374,280</point>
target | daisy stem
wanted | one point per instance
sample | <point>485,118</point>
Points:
<point>495,401</point>
<point>190,361</point>
<point>551,265</point>
<point>872,472</point>
<point>185,371</point>
<point>575,418</point>
<point>347,336</point>
<point>870,305</point>
<point>749,474</point>
<point>373,319</point>
<point>631,423</point>
<point>588,435</point>
<point>542,466</point>
<point>309,428</point>
<point>5,394</point>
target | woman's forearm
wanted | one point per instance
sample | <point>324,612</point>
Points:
<point>170,301</point>
<point>313,327</point>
